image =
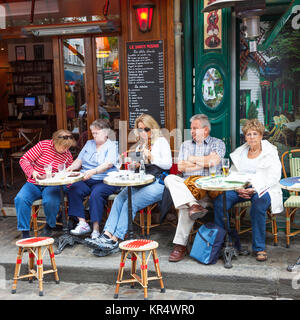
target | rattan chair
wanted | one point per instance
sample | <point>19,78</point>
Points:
<point>292,204</point>
<point>240,210</point>
<point>32,136</point>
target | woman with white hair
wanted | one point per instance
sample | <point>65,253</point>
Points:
<point>96,159</point>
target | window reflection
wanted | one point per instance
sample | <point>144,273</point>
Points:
<point>212,88</point>
<point>74,70</point>
<point>108,79</point>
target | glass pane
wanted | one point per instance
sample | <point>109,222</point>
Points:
<point>212,88</point>
<point>18,13</point>
<point>270,86</point>
<point>74,71</point>
<point>108,79</point>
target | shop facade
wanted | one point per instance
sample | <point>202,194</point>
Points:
<point>64,64</point>
<point>230,81</point>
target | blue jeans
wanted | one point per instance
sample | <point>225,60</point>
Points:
<point>258,210</point>
<point>98,192</point>
<point>117,222</point>
<point>31,192</point>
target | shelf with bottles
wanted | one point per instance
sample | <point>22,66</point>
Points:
<point>30,78</point>
<point>36,89</point>
<point>31,66</point>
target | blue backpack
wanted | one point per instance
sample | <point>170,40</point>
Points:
<point>208,243</point>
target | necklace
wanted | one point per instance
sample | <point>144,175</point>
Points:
<point>254,151</point>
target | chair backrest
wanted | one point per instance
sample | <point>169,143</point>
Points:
<point>32,136</point>
<point>293,162</point>
<point>9,134</point>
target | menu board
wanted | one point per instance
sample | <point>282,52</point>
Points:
<point>146,81</point>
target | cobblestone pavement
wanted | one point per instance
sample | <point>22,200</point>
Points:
<point>99,291</point>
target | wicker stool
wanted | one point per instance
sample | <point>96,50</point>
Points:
<point>240,210</point>
<point>35,208</point>
<point>134,247</point>
<point>32,245</point>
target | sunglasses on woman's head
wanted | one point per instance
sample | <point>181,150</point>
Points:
<point>66,137</point>
<point>144,129</point>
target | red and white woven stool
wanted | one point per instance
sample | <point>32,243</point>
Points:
<point>138,249</point>
<point>34,247</point>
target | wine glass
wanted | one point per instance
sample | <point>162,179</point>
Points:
<point>48,171</point>
<point>61,167</point>
<point>212,169</point>
<point>131,168</point>
<point>119,163</point>
<point>225,167</point>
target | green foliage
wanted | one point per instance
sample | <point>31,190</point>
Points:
<point>252,113</point>
<point>286,47</point>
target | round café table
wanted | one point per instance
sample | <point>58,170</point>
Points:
<point>122,180</point>
<point>291,184</point>
<point>219,183</point>
<point>61,180</point>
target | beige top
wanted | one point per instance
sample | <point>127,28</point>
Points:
<point>138,245</point>
<point>129,183</point>
<point>218,184</point>
<point>59,180</point>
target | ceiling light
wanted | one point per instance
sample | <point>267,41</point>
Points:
<point>67,29</point>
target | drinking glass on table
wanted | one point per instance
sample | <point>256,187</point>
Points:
<point>212,169</point>
<point>61,169</point>
<point>225,167</point>
<point>48,171</point>
<point>131,168</point>
<point>119,163</point>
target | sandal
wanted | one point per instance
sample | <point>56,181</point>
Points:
<point>261,256</point>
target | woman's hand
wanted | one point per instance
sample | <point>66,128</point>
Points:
<point>74,166</point>
<point>89,173</point>
<point>35,174</point>
<point>147,155</point>
<point>246,193</point>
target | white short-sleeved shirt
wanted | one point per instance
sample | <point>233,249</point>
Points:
<point>91,158</point>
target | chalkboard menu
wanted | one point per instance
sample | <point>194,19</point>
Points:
<point>146,87</point>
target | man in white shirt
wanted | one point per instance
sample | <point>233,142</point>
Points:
<point>194,158</point>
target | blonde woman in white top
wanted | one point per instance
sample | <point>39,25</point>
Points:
<point>158,158</point>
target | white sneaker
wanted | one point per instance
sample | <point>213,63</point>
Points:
<point>95,234</point>
<point>81,229</point>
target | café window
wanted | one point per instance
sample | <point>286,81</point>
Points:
<point>270,86</point>
<point>74,75</point>
<point>108,79</point>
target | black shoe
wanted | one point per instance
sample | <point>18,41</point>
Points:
<point>102,253</point>
<point>47,231</point>
<point>25,234</point>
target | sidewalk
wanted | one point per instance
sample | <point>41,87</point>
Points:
<point>77,264</point>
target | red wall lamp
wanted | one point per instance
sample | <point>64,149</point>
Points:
<point>144,13</point>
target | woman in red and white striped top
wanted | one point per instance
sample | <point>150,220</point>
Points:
<point>54,152</point>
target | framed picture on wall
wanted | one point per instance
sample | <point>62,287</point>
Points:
<point>20,53</point>
<point>38,50</point>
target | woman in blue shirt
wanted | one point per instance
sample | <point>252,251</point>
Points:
<point>96,159</point>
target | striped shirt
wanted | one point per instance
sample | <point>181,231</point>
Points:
<point>41,154</point>
<point>209,145</point>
